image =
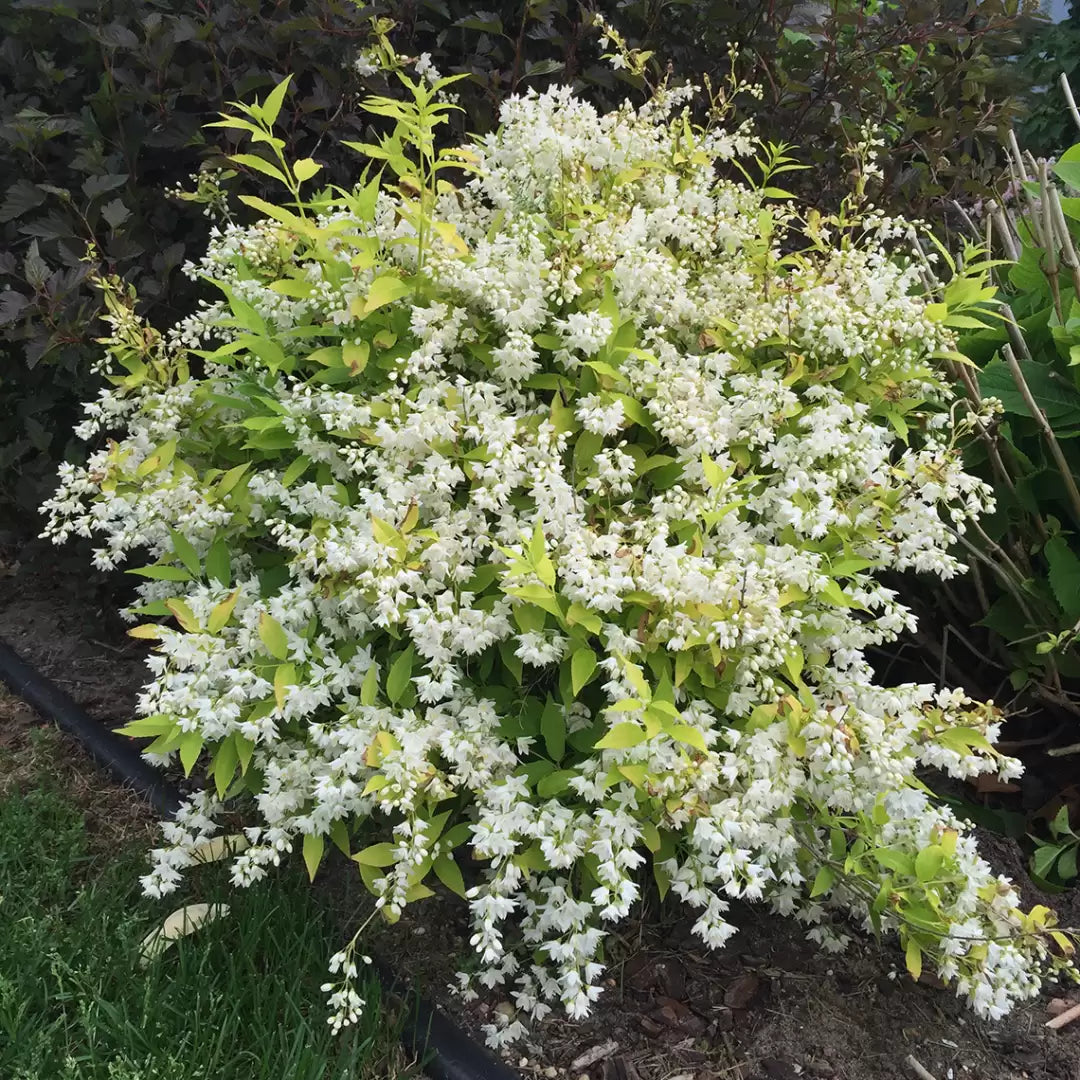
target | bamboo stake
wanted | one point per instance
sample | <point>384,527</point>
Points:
<point>1045,428</point>
<point>1066,89</point>
<point>1067,1017</point>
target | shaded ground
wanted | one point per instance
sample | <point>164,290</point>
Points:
<point>769,1007</point>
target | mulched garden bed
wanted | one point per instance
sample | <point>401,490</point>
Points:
<point>768,1007</point>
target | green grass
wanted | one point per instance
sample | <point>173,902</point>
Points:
<point>238,1000</point>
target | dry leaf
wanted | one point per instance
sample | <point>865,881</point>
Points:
<point>180,923</point>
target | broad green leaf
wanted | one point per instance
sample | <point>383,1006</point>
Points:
<point>186,553</point>
<point>928,862</point>
<point>1064,575</point>
<point>183,615</point>
<point>582,667</point>
<point>913,958</point>
<point>284,677</point>
<point>273,637</point>
<point>161,573</point>
<point>449,873</point>
<point>384,290</point>
<point>147,727</point>
<point>553,729</point>
<point>375,855</point>
<point>622,737</point>
<point>369,688</point>
<point>355,357</point>
<point>692,736</point>
<point>190,747</point>
<point>271,107</point>
<point>823,881</point>
<point>218,566</point>
<point>295,470</point>
<point>305,169</point>
<point>314,846</point>
<point>222,612</point>
<point>224,765</point>
<point>253,161</point>
<point>555,782</point>
<point>399,678</point>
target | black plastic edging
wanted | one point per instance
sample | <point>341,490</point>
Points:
<point>119,756</point>
<point>452,1055</point>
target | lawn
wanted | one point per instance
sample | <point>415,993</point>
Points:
<point>239,1000</point>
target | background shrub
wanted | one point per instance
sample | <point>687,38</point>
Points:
<point>1026,588</point>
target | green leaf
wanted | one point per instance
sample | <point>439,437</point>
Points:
<point>221,613</point>
<point>185,552</point>
<point>183,614</point>
<point>928,862</point>
<point>376,855</point>
<point>622,737</point>
<point>1044,858</point>
<point>272,105</point>
<point>339,833</point>
<point>399,677</point>
<point>369,688</point>
<point>692,736</point>
<point>295,470</point>
<point>1064,575</point>
<point>305,169</point>
<point>217,562</point>
<point>273,637</point>
<point>253,161</point>
<point>231,479</point>
<point>553,729</point>
<point>385,290</point>
<point>147,727</point>
<point>582,667</point>
<point>190,747</point>
<point>449,873</point>
<point>1054,395</point>
<point>244,749</point>
<point>555,782</point>
<point>355,357</point>
<point>161,573</point>
<point>314,846</point>
<point>913,958</point>
<point>224,766</point>
<point>823,881</point>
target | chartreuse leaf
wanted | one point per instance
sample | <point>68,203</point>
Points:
<point>913,958</point>
<point>273,637</point>
<point>222,612</point>
<point>582,667</point>
<point>305,169</point>
<point>622,737</point>
<point>823,881</point>
<point>186,553</point>
<point>449,873</point>
<point>369,688</point>
<point>376,855</point>
<point>399,677</point>
<point>218,566</point>
<point>314,846</point>
<point>269,110</point>
<point>148,727</point>
<point>384,290</point>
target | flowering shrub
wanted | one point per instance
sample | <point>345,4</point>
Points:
<point>525,503</point>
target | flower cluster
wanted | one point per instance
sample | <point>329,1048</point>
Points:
<point>541,517</point>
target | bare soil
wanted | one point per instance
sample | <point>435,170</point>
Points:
<point>768,1007</point>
